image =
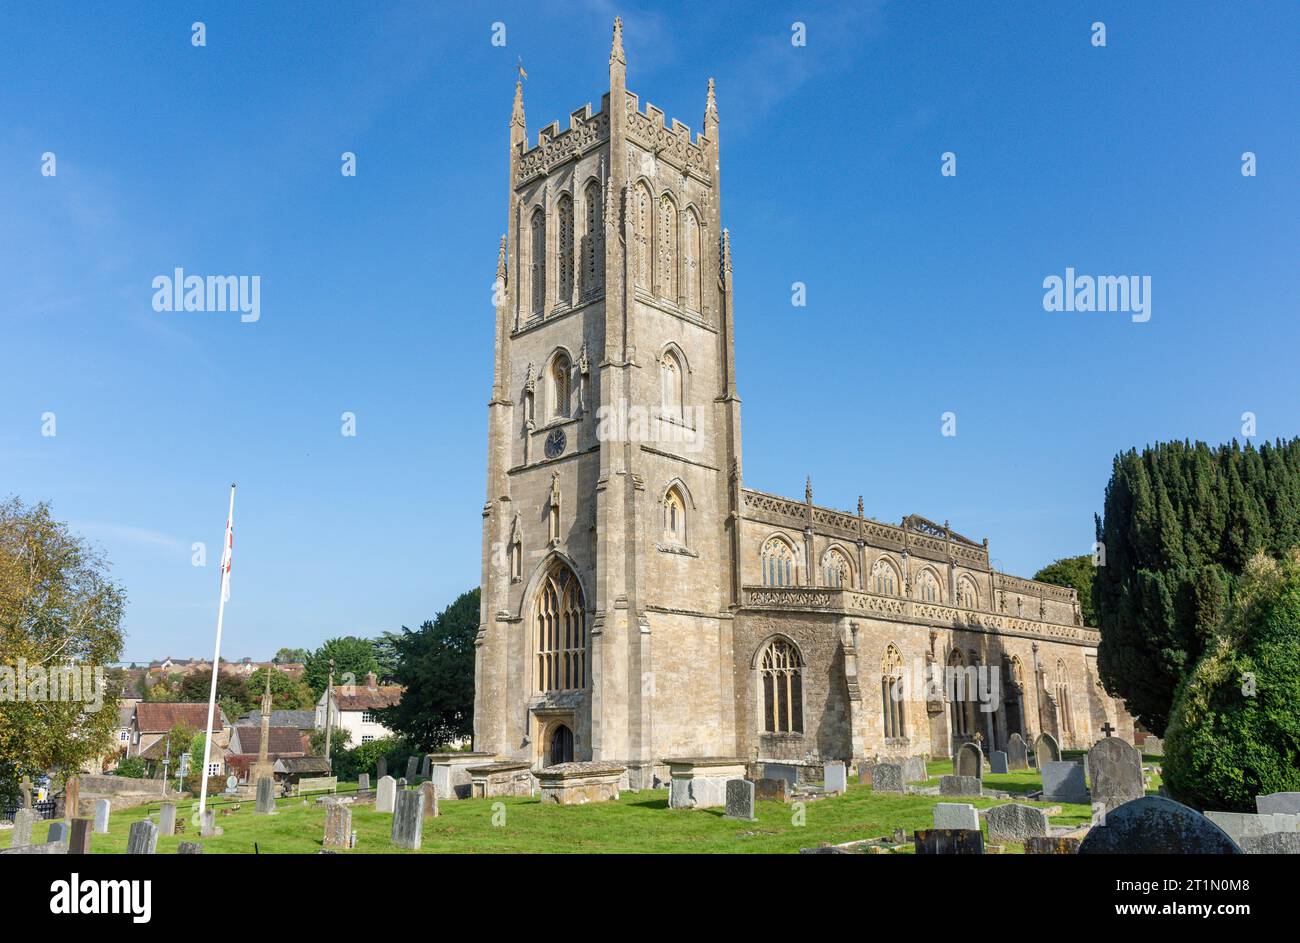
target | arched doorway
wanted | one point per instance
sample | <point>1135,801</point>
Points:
<point>561,745</point>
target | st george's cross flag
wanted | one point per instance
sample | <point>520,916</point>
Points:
<point>225,558</point>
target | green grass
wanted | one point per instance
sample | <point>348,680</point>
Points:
<point>639,822</point>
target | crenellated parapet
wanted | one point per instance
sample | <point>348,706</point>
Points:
<point>673,145</point>
<point>587,130</point>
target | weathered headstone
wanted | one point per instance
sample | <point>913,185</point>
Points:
<point>167,819</point>
<point>1153,746</point>
<point>385,794</point>
<point>887,777</point>
<point>1017,752</point>
<point>79,839</point>
<point>1242,825</point>
<point>363,782</point>
<point>408,820</point>
<point>969,761</point>
<point>1052,845</point>
<point>208,828</point>
<point>740,800</point>
<point>381,768</point>
<point>777,790</point>
<point>22,834</point>
<point>58,832</point>
<point>1064,782</point>
<point>1014,822</point>
<point>429,798</point>
<point>265,796</point>
<point>865,769</point>
<point>914,770</point>
<point>960,786</point>
<point>102,809</point>
<point>998,762</point>
<point>338,825</point>
<point>943,841</point>
<point>1115,771</point>
<point>72,797</point>
<point>1046,749</point>
<point>189,848</point>
<point>1154,825</point>
<point>1272,843</point>
<point>412,767</point>
<point>835,779</point>
<point>961,815</point>
<point>425,767</point>
<point>1285,802</point>
<point>142,839</point>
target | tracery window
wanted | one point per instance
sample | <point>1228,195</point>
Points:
<point>671,381</point>
<point>927,587</point>
<point>836,571</point>
<point>778,563</point>
<point>538,254</point>
<point>891,692</point>
<point>667,239</point>
<point>561,632</point>
<point>642,226</point>
<point>593,256</point>
<point>561,386</point>
<point>566,248</point>
<point>884,578</point>
<point>781,674</point>
<point>674,517</point>
<point>692,261</point>
<point>1063,698</point>
<point>967,595</point>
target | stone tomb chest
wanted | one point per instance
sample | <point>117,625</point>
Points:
<point>508,778</point>
<point>450,772</point>
<point>701,782</point>
<point>580,783</point>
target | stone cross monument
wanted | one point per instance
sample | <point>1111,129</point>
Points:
<point>264,767</point>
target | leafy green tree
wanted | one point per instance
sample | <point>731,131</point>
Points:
<point>436,667</point>
<point>231,692</point>
<point>1076,573</point>
<point>290,656</point>
<point>364,758</point>
<point>57,607</point>
<point>1179,523</point>
<point>132,767</point>
<point>340,740</point>
<point>287,694</point>
<point>353,658</point>
<point>1234,731</point>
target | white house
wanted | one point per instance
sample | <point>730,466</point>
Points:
<point>352,708</point>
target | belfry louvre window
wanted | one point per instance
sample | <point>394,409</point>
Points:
<point>561,627</point>
<point>781,669</point>
<point>778,563</point>
<point>538,273</point>
<point>566,248</point>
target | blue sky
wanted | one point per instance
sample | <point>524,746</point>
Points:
<point>924,292</point>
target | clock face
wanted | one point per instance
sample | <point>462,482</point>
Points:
<point>555,443</point>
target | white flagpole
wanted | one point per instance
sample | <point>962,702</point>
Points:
<point>216,656</point>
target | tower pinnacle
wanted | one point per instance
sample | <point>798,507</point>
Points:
<point>616,52</point>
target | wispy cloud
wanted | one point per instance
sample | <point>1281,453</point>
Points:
<point>125,533</point>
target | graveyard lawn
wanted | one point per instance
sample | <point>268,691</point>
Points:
<point>638,823</point>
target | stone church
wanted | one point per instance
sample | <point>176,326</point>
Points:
<point>639,602</point>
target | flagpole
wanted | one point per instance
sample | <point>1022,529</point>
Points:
<point>216,658</point>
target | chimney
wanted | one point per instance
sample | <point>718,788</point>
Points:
<point>371,681</point>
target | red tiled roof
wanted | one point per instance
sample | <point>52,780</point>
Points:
<point>283,741</point>
<point>362,698</point>
<point>159,718</point>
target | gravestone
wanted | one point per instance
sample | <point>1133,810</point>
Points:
<point>1273,843</point>
<point>1241,825</point>
<point>969,761</point>
<point>142,839</point>
<point>998,762</point>
<point>1017,752</point>
<point>1284,802</point>
<point>887,777</point>
<point>338,825</point>
<point>1153,746</point>
<point>363,782</point>
<point>408,820</point>
<point>429,798</point>
<point>71,797</point>
<point>412,767</point>
<point>1154,825</point>
<point>958,815</point>
<point>835,780</point>
<point>58,832</point>
<point>79,840</point>
<point>914,770</point>
<point>1064,782</point>
<point>1052,845</point>
<point>22,834</point>
<point>189,848</point>
<point>781,771</point>
<point>265,796</point>
<point>425,767</point>
<point>385,794</point>
<point>1046,749</point>
<point>740,800</point>
<point>208,828</point>
<point>381,768</point>
<point>1015,822</point>
<point>1115,771</point>
<point>941,841</point>
<point>102,809</point>
<point>777,790</point>
<point>232,787</point>
<point>167,820</point>
<point>960,786</point>
<point>865,768</point>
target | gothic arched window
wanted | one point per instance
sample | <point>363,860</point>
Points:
<point>593,255</point>
<point>927,587</point>
<point>643,227</point>
<point>561,386</point>
<point>781,673</point>
<point>884,578</point>
<point>778,563</point>
<point>891,693</point>
<point>1063,698</point>
<point>674,517</point>
<point>836,571</point>
<point>960,694</point>
<point>692,261</point>
<point>968,596</point>
<point>561,632</point>
<point>538,274</point>
<point>566,248</point>
<point>671,383</point>
<point>667,240</point>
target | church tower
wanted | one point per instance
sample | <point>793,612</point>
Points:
<point>610,530</point>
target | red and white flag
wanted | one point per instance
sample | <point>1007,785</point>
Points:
<point>225,560</point>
